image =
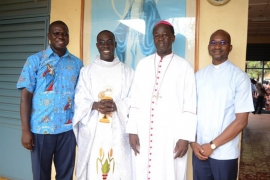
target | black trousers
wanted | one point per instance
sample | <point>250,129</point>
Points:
<point>259,105</point>
<point>59,148</point>
<point>213,169</point>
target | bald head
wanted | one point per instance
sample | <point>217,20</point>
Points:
<point>224,33</point>
<point>219,46</point>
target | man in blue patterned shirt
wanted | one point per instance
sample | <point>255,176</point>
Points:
<point>47,82</point>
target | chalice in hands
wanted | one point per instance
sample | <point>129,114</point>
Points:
<point>106,100</point>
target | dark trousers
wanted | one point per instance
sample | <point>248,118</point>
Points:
<point>259,105</point>
<point>212,169</point>
<point>59,148</point>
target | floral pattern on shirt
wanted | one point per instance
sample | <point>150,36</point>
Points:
<point>52,80</point>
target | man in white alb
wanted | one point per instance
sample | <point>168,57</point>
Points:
<point>162,117</point>
<point>101,112</point>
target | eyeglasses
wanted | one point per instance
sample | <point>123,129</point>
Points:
<point>222,43</point>
<point>57,34</point>
<point>109,42</point>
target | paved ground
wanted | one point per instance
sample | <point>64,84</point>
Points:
<point>255,149</point>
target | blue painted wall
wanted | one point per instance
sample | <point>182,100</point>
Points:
<point>15,162</point>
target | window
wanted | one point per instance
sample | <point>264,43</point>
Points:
<point>259,70</point>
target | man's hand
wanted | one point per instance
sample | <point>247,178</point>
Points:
<point>198,151</point>
<point>106,106</point>
<point>207,149</point>
<point>134,143</point>
<point>27,140</point>
<point>180,148</point>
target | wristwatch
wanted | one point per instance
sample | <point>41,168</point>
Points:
<point>213,146</point>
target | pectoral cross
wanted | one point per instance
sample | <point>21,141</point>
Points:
<point>157,97</point>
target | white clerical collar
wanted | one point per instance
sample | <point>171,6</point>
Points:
<point>103,63</point>
<point>222,65</point>
<point>167,56</point>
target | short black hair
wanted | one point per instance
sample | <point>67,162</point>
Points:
<point>107,32</point>
<point>57,23</point>
<point>253,81</point>
<point>171,29</point>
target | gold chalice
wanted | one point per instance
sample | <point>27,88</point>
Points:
<point>105,118</point>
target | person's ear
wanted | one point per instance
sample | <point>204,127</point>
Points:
<point>48,35</point>
<point>173,39</point>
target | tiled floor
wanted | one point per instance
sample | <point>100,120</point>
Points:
<point>255,151</point>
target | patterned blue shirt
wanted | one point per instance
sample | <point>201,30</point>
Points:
<point>52,80</point>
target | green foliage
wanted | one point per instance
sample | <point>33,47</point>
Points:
<point>254,64</point>
<point>254,69</point>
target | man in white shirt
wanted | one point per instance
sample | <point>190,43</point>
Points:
<point>224,101</point>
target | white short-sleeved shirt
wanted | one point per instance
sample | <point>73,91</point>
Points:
<point>222,91</point>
